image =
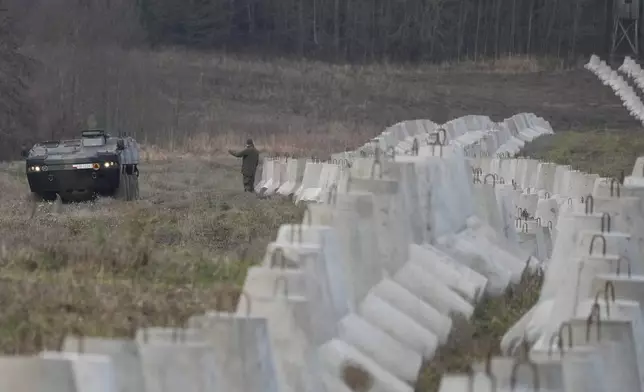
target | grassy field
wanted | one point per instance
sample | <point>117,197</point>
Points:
<point>108,267</point>
<point>206,103</point>
<point>605,152</point>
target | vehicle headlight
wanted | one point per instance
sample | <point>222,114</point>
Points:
<point>110,164</point>
<point>34,168</point>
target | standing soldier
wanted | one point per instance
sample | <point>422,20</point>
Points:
<point>250,160</point>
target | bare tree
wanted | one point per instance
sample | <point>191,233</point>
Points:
<point>16,112</point>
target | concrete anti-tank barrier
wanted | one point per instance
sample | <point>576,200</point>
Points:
<point>369,279</point>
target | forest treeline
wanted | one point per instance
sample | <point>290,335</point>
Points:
<point>16,110</point>
<point>365,30</point>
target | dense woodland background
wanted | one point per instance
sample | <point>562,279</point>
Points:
<point>63,59</point>
<point>364,30</point>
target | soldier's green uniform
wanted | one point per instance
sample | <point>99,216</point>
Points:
<point>250,160</point>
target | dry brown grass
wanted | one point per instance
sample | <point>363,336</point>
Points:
<point>206,103</point>
<point>475,340</point>
<point>607,152</point>
<point>103,268</point>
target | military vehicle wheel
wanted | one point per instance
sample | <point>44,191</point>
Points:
<point>108,192</point>
<point>45,196</point>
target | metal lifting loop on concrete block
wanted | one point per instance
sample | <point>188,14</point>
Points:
<point>284,282</point>
<point>589,204</point>
<point>179,335</point>
<point>559,337</point>
<point>501,180</point>
<point>373,169</point>
<point>592,244</point>
<point>494,385</point>
<point>488,372</point>
<point>525,344</point>
<point>524,228</point>
<point>605,222</point>
<point>549,224</point>
<point>443,132</point>
<point>493,179</point>
<point>570,201</point>
<point>538,220</point>
<point>597,294</point>
<point>441,150</point>
<point>277,257</point>
<point>332,196</point>
<point>594,311</point>
<point>546,195</point>
<point>609,287</point>
<point>340,162</point>
<point>614,186</point>
<point>517,221</point>
<point>535,373</point>
<point>415,147</point>
<point>488,363</point>
<point>619,265</point>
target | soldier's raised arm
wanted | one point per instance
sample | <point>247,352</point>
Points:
<point>241,153</point>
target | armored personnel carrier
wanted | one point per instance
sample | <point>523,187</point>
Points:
<point>80,169</point>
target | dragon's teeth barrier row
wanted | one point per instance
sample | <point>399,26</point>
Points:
<point>400,237</point>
